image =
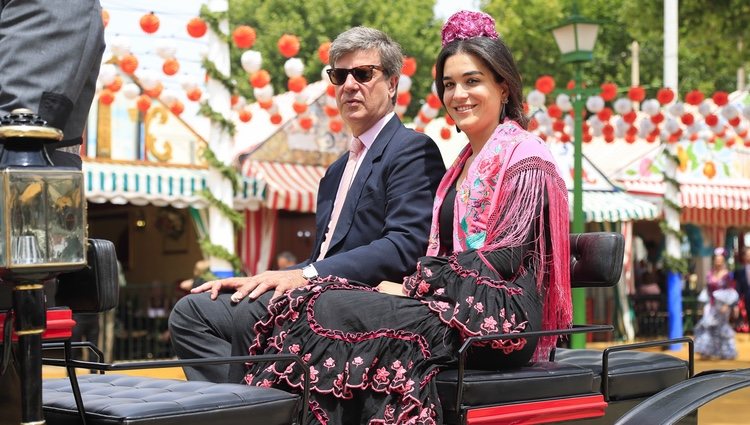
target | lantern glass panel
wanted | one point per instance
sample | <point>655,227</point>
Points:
<point>65,232</point>
<point>28,221</point>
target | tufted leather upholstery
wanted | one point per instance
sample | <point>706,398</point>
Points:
<point>632,374</point>
<point>122,399</point>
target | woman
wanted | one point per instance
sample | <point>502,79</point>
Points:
<point>714,336</point>
<point>497,262</point>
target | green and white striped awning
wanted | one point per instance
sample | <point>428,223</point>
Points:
<point>613,206</point>
<point>142,184</point>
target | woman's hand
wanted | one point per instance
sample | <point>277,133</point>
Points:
<point>392,288</point>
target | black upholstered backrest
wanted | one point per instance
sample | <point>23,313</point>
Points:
<point>95,288</point>
<point>595,259</point>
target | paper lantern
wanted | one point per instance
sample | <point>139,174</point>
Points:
<point>165,48</point>
<point>131,91</point>
<point>299,108</point>
<point>694,97</point>
<point>149,23</point>
<point>245,115</point>
<point>545,84</point>
<point>194,94</point>
<point>294,67</point>
<point>276,119</point>
<point>609,91</point>
<point>403,99</point>
<point>106,97</point>
<point>168,96</point>
<point>445,133</point>
<point>636,94</point>
<point>128,64</point>
<point>197,27</point>
<point>260,78</point>
<point>176,107</point>
<point>595,104</point>
<point>404,83</point>
<point>244,37</point>
<point>323,52</point>
<point>265,104</point>
<point>335,126</point>
<point>143,103</point>
<point>107,73</point>
<point>622,106</point>
<point>251,61</point>
<point>554,111</point>
<point>105,17</point>
<point>171,66</point>
<point>409,67</point>
<point>148,79</point>
<point>434,101</point>
<point>720,98</point>
<point>665,95</point>
<point>154,91</point>
<point>263,93</point>
<point>535,98</point>
<point>330,111</point>
<point>297,84</point>
<point>288,45</point>
<point>306,123</point>
<point>563,101</point>
<point>116,84</point>
<point>120,46</point>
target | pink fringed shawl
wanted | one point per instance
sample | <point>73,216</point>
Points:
<point>497,206</point>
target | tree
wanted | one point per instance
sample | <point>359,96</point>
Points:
<point>411,24</point>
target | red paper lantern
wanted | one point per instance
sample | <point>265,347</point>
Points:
<point>265,104</point>
<point>409,67</point>
<point>609,91</point>
<point>128,64</point>
<point>306,123</point>
<point>554,111</point>
<point>171,66</point>
<point>197,27</point>
<point>433,101</point>
<point>106,97</point>
<point>630,138</point>
<point>115,85</point>
<point>299,107</point>
<point>323,52</point>
<point>687,119</point>
<point>712,120</point>
<point>335,126</point>
<point>636,94</point>
<point>244,37</point>
<point>105,17</point>
<point>403,99</point>
<point>571,85</point>
<point>260,78</point>
<point>176,107</point>
<point>587,138</point>
<point>609,138</point>
<point>665,95</point>
<point>330,111</point>
<point>245,115</point>
<point>630,117</point>
<point>533,124</point>
<point>154,91</point>
<point>650,138</point>
<point>331,90</point>
<point>288,45</point>
<point>608,130</point>
<point>276,119</point>
<point>234,99</point>
<point>694,97</point>
<point>449,120</point>
<point>720,98</point>
<point>658,118</point>
<point>194,94</point>
<point>545,84</point>
<point>605,114</point>
<point>143,103</point>
<point>558,125</point>
<point>297,84</point>
<point>445,133</point>
<point>149,23</point>
<point>734,122</point>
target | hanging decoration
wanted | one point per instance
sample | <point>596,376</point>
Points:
<point>244,37</point>
<point>197,27</point>
<point>149,23</point>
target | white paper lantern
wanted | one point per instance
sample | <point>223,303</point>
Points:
<point>188,82</point>
<point>263,93</point>
<point>595,104</point>
<point>647,126</point>
<point>120,46</point>
<point>400,109</point>
<point>251,61</point>
<point>705,107</point>
<point>428,111</point>
<point>294,67</point>
<point>746,111</point>
<point>622,106</point>
<point>300,97</point>
<point>651,107</point>
<point>563,102</point>
<point>729,111</point>
<point>130,91</point>
<point>324,74</point>
<point>433,88</point>
<point>148,79</point>
<point>404,83</point>
<point>166,48</point>
<point>676,109</point>
<point>107,74</point>
<point>671,125</point>
<point>241,103</point>
<point>535,99</point>
<point>168,96</point>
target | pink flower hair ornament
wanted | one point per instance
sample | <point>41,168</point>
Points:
<point>467,24</point>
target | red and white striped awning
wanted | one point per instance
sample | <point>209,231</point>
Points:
<point>707,203</point>
<point>285,186</point>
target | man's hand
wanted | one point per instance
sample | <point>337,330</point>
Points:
<point>392,288</point>
<point>278,280</point>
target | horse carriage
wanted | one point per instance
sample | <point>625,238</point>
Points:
<point>620,384</point>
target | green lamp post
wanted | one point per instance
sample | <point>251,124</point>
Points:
<point>576,37</point>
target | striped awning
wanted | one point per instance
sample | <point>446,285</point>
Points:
<point>609,206</point>
<point>291,187</point>
<point>142,184</point>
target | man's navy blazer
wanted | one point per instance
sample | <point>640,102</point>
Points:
<point>385,221</point>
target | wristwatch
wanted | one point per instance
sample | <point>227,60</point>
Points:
<point>309,272</point>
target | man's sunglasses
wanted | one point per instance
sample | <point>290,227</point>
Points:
<point>362,74</point>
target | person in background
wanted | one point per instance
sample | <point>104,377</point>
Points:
<point>714,337</point>
<point>497,261</point>
<point>200,268</point>
<point>742,278</point>
<point>372,218</point>
<point>285,259</point>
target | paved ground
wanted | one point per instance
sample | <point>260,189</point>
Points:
<point>732,409</point>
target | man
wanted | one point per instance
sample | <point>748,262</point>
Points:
<point>742,278</point>
<point>285,259</point>
<point>374,233</point>
<point>50,52</point>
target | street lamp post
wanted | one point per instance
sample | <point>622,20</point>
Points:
<point>576,37</point>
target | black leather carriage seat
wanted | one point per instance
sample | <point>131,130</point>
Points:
<point>122,399</point>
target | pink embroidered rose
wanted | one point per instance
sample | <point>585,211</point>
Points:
<point>427,272</point>
<point>479,307</point>
<point>357,361</point>
<point>306,357</point>
<point>329,363</point>
<point>265,383</point>
<point>313,375</point>
<point>440,291</point>
<point>423,287</point>
<point>382,375</point>
<point>442,306</point>
<point>487,168</point>
<point>294,349</point>
<point>507,326</point>
<point>470,300</point>
<point>489,325</point>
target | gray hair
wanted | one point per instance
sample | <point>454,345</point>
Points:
<point>364,38</point>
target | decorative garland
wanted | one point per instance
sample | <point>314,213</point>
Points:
<point>208,112</point>
<point>229,172</point>
<point>229,83</point>
<point>232,215</point>
<point>218,251</point>
<point>678,265</point>
<point>213,20</point>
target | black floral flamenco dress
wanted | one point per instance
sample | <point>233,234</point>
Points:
<point>372,357</point>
